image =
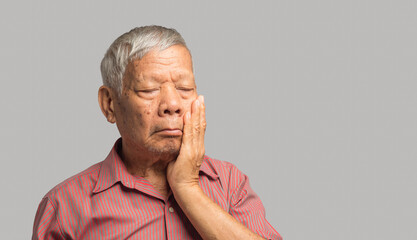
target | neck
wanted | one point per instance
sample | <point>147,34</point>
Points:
<point>149,165</point>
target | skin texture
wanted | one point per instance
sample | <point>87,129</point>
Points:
<point>157,92</point>
<point>162,123</point>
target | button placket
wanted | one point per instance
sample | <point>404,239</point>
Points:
<point>170,218</point>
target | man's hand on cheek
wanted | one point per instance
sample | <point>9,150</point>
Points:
<point>184,171</point>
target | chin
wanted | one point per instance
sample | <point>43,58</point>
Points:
<point>169,148</point>
<point>165,151</point>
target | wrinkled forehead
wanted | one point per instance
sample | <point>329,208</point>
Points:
<point>171,64</point>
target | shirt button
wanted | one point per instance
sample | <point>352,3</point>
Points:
<point>171,209</point>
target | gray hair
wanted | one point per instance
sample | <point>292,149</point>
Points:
<point>134,45</point>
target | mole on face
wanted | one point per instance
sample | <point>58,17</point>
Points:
<point>148,109</point>
<point>126,93</point>
<point>121,107</point>
<point>122,111</point>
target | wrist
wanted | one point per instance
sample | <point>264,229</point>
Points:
<point>181,190</point>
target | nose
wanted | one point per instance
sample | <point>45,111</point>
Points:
<point>170,102</point>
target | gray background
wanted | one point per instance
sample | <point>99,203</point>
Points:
<point>314,100</point>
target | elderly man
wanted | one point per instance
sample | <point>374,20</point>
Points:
<point>156,183</point>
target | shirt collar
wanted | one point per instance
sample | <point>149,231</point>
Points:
<point>208,169</point>
<point>113,170</point>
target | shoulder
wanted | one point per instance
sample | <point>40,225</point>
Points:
<point>81,183</point>
<point>227,172</point>
<point>220,166</point>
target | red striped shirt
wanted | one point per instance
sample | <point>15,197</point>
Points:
<point>107,202</point>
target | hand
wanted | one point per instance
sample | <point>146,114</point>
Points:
<point>184,171</point>
<point>208,218</point>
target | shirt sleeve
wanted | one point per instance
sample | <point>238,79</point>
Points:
<point>247,208</point>
<point>46,225</point>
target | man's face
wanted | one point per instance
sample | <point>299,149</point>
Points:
<point>157,91</point>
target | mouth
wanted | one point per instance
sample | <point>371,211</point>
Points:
<point>170,132</point>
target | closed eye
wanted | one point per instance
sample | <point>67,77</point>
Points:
<point>147,93</point>
<point>147,90</point>
<point>186,89</point>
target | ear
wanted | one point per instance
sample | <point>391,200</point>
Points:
<point>106,101</point>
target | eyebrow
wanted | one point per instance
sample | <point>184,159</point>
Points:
<point>157,77</point>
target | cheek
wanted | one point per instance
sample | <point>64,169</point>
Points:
<point>134,116</point>
<point>122,113</point>
<point>187,104</point>
<point>148,110</point>
<point>146,114</point>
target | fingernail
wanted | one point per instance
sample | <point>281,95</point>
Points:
<point>197,102</point>
<point>202,99</point>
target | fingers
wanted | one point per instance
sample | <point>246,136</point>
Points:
<point>187,129</point>
<point>195,124</point>
<point>203,123</point>
<point>195,118</point>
